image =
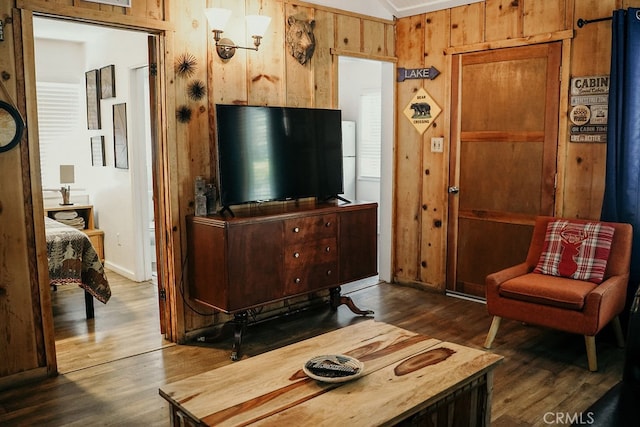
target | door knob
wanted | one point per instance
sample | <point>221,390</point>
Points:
<point>453,190</point>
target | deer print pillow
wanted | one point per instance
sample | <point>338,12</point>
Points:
<point>576,250</point>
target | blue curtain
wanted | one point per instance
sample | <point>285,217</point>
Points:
<point>622,183</point>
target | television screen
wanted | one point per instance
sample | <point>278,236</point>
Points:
<point>278,153</point>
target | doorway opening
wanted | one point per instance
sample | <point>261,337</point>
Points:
<point>366,98</point>
<point>119,193</point>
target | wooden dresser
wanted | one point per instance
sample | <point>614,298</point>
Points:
<point>256,258</point>
<point>85,211</point>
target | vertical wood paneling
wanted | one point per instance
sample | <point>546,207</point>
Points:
<point>348,33</point>
<point>20,328</point>
<point>435,165</point>
<point>585,162</point>
<point>503,19</point>
<point>229,77</point>
<point>82,4</point>
<point>324,80</point>
<point>390,40</point>
<point>543,16</point>
<point>467,24</point>
<point>191,147</point>
<point>410,50</point>
<point>373,37</point>
<point>266,68</point>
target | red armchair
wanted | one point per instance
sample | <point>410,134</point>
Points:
<point>566,304</point>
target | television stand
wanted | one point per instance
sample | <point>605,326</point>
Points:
<point>252,260</point>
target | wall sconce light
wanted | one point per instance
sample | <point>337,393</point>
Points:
<point>218,18</point>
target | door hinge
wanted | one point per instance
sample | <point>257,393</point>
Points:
<point>560,73</point>
<point>153,69</point>
<point>162,294</point>
<point>555,181</point>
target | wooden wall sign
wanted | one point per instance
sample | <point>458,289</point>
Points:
<point>422,111</point>
<point>417,73</point>
<point>589,112</point>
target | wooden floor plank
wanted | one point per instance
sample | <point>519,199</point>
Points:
<point>543,370</point>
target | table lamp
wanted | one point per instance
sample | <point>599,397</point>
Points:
<point>66,177</point>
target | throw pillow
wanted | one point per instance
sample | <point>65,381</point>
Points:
<point>576,250</point>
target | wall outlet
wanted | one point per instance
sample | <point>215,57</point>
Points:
<point>437,145</point>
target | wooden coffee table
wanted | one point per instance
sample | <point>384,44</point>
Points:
<point>407,377</point>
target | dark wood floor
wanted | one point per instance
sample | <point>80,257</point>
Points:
<point>112,366</point>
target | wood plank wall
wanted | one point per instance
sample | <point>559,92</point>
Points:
<point>272,77</point>
<point>421,180</point>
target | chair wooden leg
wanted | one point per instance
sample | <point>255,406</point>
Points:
<point>493,330</point>
<point>617,329</point>
<point>590,342</point>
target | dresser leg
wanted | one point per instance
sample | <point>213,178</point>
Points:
<point>240,319</point>
<point>337,300</point>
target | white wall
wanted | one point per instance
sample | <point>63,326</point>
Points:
<point>111,188</point>
<point>107,188</point>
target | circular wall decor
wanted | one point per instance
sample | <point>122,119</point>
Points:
<point>11,127</point>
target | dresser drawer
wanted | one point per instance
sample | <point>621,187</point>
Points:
<point>310,277</point>
<point>297,256</point>
<point>310,228</point>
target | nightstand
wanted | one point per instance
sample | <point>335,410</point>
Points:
<point>85,211</point>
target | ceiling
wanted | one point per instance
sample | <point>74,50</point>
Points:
<point>57,29</point>
<point>404,8</point>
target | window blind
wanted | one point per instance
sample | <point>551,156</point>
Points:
<point>58,110</point>
<point>369,143</point>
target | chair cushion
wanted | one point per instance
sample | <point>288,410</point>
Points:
<point>576,250</point>
<point>547,290</point>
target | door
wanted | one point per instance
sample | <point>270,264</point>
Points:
<point>503,158</point>
<point>162,218</point>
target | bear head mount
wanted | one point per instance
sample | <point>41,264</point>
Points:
<point>300,39</point>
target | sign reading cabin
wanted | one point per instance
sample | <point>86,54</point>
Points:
<point>589,108</point>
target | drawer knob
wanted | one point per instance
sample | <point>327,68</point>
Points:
<point>328,224</point>
<point>296,229</point>
<point>296,254</point>
<point>298,280</point>
<point>327,249</point>
<point>328,272</point>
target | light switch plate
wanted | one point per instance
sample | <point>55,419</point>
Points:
<point>437,145</point>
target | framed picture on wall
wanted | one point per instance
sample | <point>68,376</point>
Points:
<point>120,145</point>
<point>97,151</point>
<point>92,83</point>
<point>107,82</point>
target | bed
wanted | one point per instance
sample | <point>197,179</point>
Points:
<point>73,259</point>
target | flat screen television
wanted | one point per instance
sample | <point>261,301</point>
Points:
<point>278,153</point>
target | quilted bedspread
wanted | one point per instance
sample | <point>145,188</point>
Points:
<point>73,259</point>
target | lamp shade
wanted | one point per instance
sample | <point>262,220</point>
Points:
<point>67,175</point>
<point>257,24</point>
<point>217,17</point>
